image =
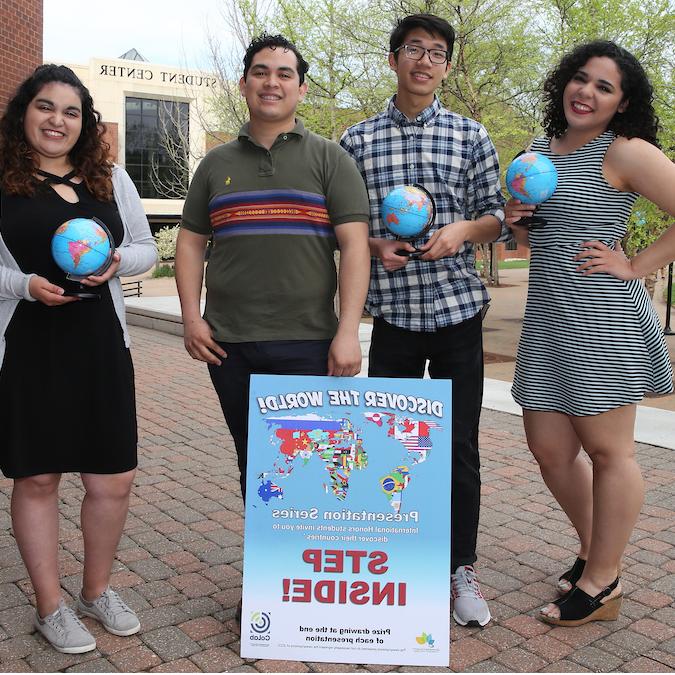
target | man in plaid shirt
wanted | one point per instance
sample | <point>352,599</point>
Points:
<point>429,307</point>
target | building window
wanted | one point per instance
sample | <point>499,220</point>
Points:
<point>157,147</point>
<point>511,245</point>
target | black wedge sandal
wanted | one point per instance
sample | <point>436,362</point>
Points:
<point>578,608</point>
<point>571,576</point>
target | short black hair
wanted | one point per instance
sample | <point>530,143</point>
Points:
<point>264,41</point>
<point>431,23</point>
<point>637,121</point>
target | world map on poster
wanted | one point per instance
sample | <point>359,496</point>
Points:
<point>339,445</point>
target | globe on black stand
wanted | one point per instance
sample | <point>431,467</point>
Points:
<point>408,212</point>
<point>532,178</point>
<point>82,247</point>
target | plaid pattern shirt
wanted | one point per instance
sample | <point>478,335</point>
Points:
<point>455,160</point>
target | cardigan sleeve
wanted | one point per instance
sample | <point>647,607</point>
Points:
<point>138,252</point>
<point>13,282</point>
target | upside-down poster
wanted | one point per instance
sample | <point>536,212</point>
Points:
<point>347,531</point>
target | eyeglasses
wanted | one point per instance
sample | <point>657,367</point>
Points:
<point>416,53</point>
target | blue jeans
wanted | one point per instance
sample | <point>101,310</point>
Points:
<point>456,353</point>
<point>231,379</point>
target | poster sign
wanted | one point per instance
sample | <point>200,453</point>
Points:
<point>347,530</point>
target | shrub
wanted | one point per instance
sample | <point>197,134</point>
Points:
<point>166,242</point>
<point>163,271</point>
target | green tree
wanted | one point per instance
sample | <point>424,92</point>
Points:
<point>243,20</point>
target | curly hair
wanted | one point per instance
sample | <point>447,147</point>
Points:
<point>637,120</point>
<point>265,40</point>
<point>89,156</point>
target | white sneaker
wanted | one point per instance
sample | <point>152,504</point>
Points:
<point>111,611</point>
<point>64,631</point>
<point>468,604</point>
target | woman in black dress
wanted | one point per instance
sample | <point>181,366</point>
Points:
<point>67,399</point>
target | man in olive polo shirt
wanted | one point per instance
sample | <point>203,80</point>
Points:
<point>275,200</point>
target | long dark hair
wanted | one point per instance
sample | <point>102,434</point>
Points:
<point>89,156</point>
<point>638,120</point>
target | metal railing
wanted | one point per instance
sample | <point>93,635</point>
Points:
<point>132,288</point>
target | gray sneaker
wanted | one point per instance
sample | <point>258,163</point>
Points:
<point>111,611</point>
<point>64,631</point>
<point>469,606</point>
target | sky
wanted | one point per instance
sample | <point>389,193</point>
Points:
<point>167,32</point>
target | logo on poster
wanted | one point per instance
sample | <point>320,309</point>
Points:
<point>425,639</point>
<point>260,626</point>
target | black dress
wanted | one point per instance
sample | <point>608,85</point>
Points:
<point>67,399</point>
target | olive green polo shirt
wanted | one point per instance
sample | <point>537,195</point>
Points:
<point>272,213</point>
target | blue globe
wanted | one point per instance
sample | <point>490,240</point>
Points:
<point>532,178</point>
<point>407,211</point>
<point>81,247</point>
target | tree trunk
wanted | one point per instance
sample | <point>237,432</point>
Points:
<point>650,284</point>
<point>493,272</point>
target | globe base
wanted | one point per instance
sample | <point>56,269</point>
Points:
<point>532,222</point>
<point>81,291</point>
<point>410,254</point>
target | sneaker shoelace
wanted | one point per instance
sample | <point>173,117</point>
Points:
<point>465,583</point>
<point>58,621</point>
<point>113,604</point>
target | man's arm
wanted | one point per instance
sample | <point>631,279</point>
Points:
<point>380,247</point>
<point>344,357</point>
<point>386,251</point>
<point>484,199</point>
<point>197,335</point>
<point>447,240</point>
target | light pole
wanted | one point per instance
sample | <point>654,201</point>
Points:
<point>669,300</point>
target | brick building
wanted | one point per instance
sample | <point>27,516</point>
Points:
<point>20,43</point>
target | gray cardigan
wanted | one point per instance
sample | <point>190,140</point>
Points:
<point>137,255</point>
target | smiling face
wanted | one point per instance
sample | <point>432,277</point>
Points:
<point>53,121</point>
<point>419,79</point>
<point>272,87</point>
<point>594,95</point>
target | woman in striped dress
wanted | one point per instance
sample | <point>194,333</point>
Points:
<point>591,345</point>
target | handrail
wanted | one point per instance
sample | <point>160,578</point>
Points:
<point>132,288</point>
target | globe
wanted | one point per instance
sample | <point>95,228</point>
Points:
<point>532,178</point>
<point>82,247</point>
<point>408,211</point>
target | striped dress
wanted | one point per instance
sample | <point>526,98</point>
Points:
<point>589,343</point>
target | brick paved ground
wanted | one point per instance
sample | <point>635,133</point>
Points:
<point>179,562</point>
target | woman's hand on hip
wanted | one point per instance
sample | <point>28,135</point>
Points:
<point>598,257</point>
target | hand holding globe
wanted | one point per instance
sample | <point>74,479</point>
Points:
<point>531,178</point>
<point>84,249</point>
<point>408,212</point>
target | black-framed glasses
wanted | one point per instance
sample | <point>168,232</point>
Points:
<point>417,52</point>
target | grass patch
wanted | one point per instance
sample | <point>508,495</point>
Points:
<point>513,264</point>
<point>163,271</point>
